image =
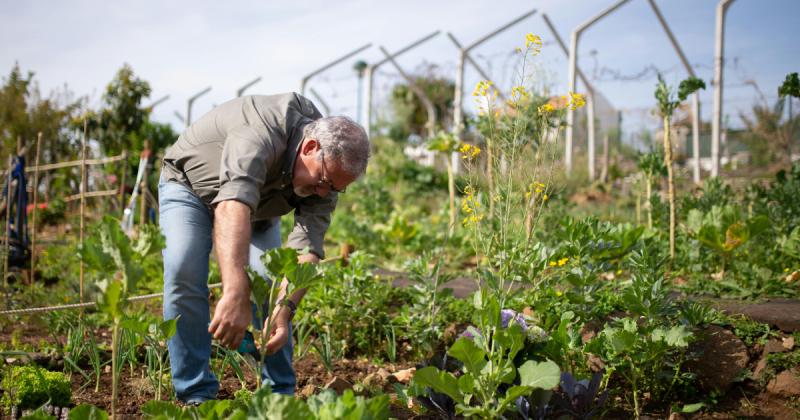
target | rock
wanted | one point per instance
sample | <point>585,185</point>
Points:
<point>339,385</point>
<point>781,313</point>
<point>723,356</point>
<point>760,366</point>
<point>308,390</point>
<point>595,363</point>
<point>374,380</point>
<point>404,376</point>
<point>384,374</point>
<point>774,345</point>
<point>786,384</point>
<point>788,343</point>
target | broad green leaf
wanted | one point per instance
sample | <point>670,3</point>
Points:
<point>161,410</point>
<point>439,381</point>
<point>168,328</point>
<point>678,336</point>
<point>692,408</point>
<point>544,375</point>
<point>513,393</point>
<point>621,341</point>
<point>277,407</point>
<point>465,350</point>
<point>110,299</point>
<point>87,412</point>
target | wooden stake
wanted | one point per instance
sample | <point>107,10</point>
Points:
<point>8,221</point>
<point>122,183</point>
<point>83,203</point>
<point>35,210</point>
<point>143,185</point>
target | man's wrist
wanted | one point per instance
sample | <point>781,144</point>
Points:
<point>289,306</point>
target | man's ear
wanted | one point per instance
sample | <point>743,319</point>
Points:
<point>309,146</point>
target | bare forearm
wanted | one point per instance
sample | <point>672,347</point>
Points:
<point>232,233</point>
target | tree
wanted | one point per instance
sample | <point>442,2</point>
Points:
<point>116,126</point>
<point>410,115</point>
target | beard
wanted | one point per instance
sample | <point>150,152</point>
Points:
<point>303,191</point>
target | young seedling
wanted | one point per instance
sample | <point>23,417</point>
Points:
<point>280,263</point>
<point>667,104</point>
<point>117,263</point>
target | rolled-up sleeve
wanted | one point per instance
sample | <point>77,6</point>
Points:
<point>311,220</point>
<point>243,166</point>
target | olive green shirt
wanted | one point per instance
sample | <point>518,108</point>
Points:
<point>245,150</point>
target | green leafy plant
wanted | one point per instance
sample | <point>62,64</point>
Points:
<point>488,366</point>
<point>117,263</point>
<point>29,387</point>
<point>280,263</point>
<point>155,334</point>
<point>724,230</point>
<point>667,104</point>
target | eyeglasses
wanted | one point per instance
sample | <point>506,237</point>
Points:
<point>324,182</point>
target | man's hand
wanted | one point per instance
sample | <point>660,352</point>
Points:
<point>231,318</point>
<point>279,335</point>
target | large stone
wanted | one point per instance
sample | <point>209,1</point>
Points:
<point>786,384</point>
<point>404,376</point>
<point>774,345</point>
<point>339,385</point>
<point>781,313</point>
<point>723,356</point>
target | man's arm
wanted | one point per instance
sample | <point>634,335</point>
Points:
<point>232,231</point>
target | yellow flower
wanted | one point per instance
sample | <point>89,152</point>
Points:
<point>545,109</point>
<point>527,195</point>
<point>482,88</point>
<point>533,43</point>
<point>559,293</point>
<point>469,151</point>
<point>545,197</point>
<point>562,261</point>
<point>553,263</point>
<point>575,100</point>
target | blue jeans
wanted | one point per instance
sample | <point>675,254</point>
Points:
<point>186,224</point>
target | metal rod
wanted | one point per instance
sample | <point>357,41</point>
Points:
<point>499,30</point>
<point>321,101</point>
<point>589,99</point>
<point>695,98</point>
<point>426,101</point>
<point>143,186</point>
<point>247,85</point>
<point>156,102</point>
<point>719,61</point>
<point>573,64</point>
<point>369,73</point>
<point>190,102</point>
<point>304,80</point>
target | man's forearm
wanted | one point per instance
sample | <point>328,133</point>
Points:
<point>232,233</point>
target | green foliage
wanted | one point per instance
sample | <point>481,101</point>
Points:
<point>31,386</point>
<point>724,230</point>
<point>790,86</point>
<point>489,366</point>
<point>666,96</point>
<point>410,115</point>
<point>87,412</point>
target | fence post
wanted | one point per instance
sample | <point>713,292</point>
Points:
<point>35,203</point>
<point>122,182</point>
<point>83,204</point>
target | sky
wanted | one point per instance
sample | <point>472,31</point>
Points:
<point>181,47</point>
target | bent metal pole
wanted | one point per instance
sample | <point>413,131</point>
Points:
<point>573,64</point>
<point>719,62</point>
<point>369,73</point>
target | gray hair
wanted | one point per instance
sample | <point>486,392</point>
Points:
<point>343,141</point>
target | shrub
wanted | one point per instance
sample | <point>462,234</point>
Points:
<point>31,386</point>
